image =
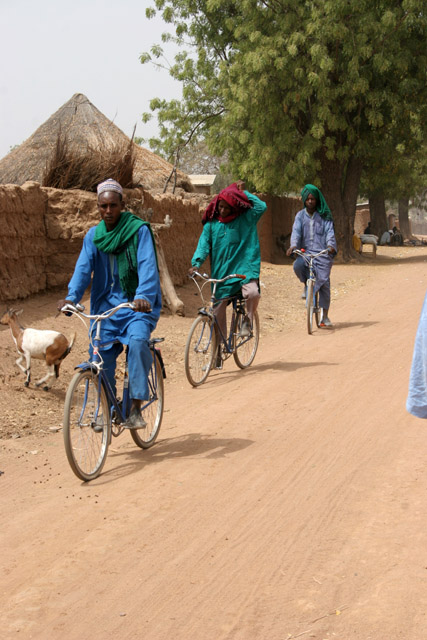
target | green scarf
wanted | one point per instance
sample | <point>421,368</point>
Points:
<point>322,206</point>
<point>122,242</point>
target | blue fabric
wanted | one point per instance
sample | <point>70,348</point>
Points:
<point>127,326</point>
<point>315,234</point>
<point>302,272</point>
<point>233,248</point>
<point>417,396</point>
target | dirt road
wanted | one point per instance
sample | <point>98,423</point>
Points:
<point>285,501</point>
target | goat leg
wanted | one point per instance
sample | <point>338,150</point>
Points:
<point>50,374</point>
<point>26,370</point>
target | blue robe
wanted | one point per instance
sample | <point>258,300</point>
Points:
<point>314,233</point>
<point>127,326</point>
<point>417,396</point>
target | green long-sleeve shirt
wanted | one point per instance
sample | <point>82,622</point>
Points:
<point>233,247</point>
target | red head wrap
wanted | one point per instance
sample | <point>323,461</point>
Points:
<point>237,200</point>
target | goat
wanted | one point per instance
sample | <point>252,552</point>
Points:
<point>50,346</point>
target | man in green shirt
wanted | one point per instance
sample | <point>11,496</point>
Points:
<point>230,238</point>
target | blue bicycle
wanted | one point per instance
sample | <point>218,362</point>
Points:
<point>93,413</point>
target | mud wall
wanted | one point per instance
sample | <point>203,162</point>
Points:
<point>22,241</point>
<point>42,230</point>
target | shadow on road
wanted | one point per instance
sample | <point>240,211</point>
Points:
<point>349,325</point>
<point>188,446</point>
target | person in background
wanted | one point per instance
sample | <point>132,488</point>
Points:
<point>397,239</point>
<point>357,242</point>
<point>119,258</point>
<point>386,237</point>
<point>313,230</point>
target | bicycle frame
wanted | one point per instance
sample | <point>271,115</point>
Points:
<point>209,309</point>
<point>93,413</point>
<point>311,295</point>
<point>119,410</point>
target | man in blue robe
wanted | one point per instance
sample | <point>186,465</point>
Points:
<point>417,396</point>
<point>313,230</point>
<point>119,258</point>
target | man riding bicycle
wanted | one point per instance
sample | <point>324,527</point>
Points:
<point>119,256</point>
<point>230,238</point>
<point>313,230</point>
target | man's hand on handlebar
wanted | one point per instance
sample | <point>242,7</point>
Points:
<point>290,251</point>
<point>141,305</point>
<point>62,303</point>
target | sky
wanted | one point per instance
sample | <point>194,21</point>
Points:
<point>52,49</point>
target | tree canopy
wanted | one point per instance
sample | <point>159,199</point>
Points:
<point>298,91</point>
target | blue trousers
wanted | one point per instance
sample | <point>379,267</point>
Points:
<point>139,363</point>
<point>302,272</point>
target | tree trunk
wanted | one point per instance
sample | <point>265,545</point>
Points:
<point>168,290</point>
<point>379,222</point>
<point>405,228</point>
<point>340,186</point>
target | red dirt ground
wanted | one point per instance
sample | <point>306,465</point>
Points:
<point>284,501</point>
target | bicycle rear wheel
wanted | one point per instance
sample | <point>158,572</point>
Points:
<point>245,347</point>
<point>87,425</point>
<point>200,350</point>
<point>310,306</point>
<point>152,409</point>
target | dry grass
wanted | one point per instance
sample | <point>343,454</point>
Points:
<point>91,137</point>
<point>68,169</point>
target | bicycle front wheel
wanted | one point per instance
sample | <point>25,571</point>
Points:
<point>316,309</point>
<point>310,306</point>
<point>152,409</point>
<point>245,347</point>
<point>86,425</point>
<point>200,350</point>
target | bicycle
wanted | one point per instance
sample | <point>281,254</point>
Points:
<point>93,413</point>
<point>312,299</point>
<point>206,342</point>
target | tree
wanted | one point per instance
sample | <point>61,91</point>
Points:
<point>298,91</point>
<point>395,172</point>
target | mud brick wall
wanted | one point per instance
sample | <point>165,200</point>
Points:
<point>22,241</point>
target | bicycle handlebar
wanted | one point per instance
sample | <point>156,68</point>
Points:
<point>78,310</point>
<point>304,254</point>
<point>206,278</point>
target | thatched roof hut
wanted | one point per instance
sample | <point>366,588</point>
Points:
<point>84,127</point>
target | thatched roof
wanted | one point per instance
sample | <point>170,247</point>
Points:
<point>84,126</point>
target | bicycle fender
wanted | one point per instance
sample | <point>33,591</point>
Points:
<point>86,366</point>
<point>203,312</point>
<point>160,359</point>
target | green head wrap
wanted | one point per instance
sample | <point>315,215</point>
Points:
<point>322,206</point>
<point>122,241</point>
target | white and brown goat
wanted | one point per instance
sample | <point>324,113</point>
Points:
<point>50,346</point>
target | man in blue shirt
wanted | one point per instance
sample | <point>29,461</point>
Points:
<point>313,230</point>
<point>119,258</point>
